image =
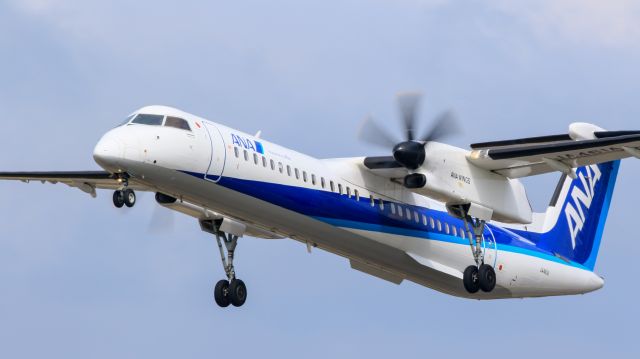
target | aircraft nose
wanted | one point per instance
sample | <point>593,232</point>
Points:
<point>107,152</point>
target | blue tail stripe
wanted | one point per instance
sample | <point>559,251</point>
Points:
<point>591,261</point>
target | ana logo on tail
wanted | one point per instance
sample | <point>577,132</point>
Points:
<point>581,197</point>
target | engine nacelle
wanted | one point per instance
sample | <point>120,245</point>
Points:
<point>450,178</point>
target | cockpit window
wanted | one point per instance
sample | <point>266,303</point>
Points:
<point>127,120</point>
<point>153,120</point>
<point>177,123</point>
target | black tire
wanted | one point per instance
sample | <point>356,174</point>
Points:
<point>129,197</point>
<point>118,199</point>
<point>221,293</point>
<point>471,280</point>
<point>237,292</point>
<point>487,278</point>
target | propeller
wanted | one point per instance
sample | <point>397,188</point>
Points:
<point>411,152</point>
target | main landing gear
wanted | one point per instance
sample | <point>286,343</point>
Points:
<point>231,290</point>
<point>480,276</point>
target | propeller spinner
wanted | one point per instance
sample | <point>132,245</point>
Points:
<point>410,153</point>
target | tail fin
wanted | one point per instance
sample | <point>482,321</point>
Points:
<point>578,212</point>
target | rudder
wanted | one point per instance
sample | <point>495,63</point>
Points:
<point>580,212</point>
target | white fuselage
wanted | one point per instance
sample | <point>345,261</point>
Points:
<point>386,230</point>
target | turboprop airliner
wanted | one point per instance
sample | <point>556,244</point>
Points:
<point>451,219</point>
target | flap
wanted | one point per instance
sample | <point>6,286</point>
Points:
<point>537,155</point>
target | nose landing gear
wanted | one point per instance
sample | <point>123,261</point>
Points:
<point>123,196</point>
<point>126,197</point>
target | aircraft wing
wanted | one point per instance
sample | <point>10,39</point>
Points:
<point>538,155</point>
<point>86,181</point>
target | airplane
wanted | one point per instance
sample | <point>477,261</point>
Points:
<point>454,220</point>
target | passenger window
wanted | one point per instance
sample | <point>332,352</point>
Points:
<point>340,188</point>
<point>400,211</point>
<point>273,165</point>
<point>424,219</point>
<point>431,223</point>
<point>255,158</point>
<point>446,228</point>
<point>280,168</point>
<point>236,151</point>
<point>455,231</point>
<point>297,173</point>
<point>408,213</point>
<point>355,191</point>
<point>393,208</point>
<point>381,204</point>
<point>152,120</point>
<point>304,176</point>
<point>177,123</point>
<point>313,179</point>
<point>264,161</point>
<point>416,217</point>
<point>373,201</point>
<point>348,192</point>
<point>332,186</point>
<point>288,170</point>
<point>246,155</point>
<point>322,181</point>
<point>463,234</point>
<point>439,226</point>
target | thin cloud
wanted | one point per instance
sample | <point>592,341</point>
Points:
<point>614,23</point>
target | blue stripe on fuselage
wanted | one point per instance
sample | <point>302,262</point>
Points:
<point>347,212</point>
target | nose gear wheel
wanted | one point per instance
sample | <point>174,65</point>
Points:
<point>124,196</point>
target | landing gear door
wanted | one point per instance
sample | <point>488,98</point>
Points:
<point>218,153</point>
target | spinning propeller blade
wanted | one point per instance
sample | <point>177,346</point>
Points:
<point>408,104</point>
<point>444,125</point>
<point>372,133</point>
<point>410,153</point>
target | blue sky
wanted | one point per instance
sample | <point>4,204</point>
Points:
<point>81,279</point>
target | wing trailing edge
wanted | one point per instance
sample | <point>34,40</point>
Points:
<point>538,155</point>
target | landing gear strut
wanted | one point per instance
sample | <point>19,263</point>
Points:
<point>480,276</point>
<point>231,290</point>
